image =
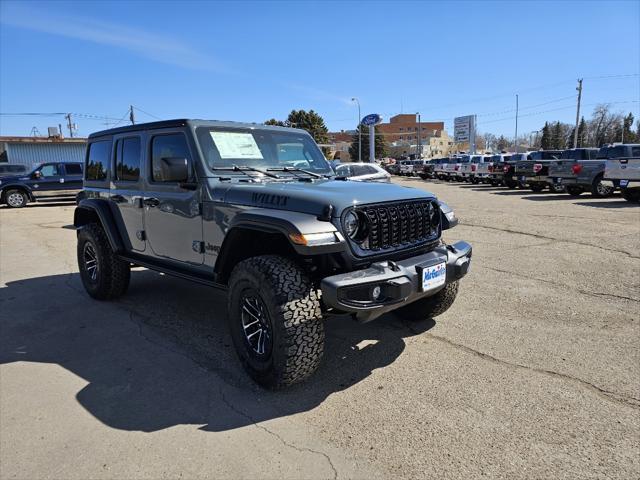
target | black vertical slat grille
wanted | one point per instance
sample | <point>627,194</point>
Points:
<point>401,224</point>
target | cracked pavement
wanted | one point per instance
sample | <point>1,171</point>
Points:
<point>533,373</point>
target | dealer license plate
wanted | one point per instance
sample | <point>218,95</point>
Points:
<point>434,276</point>
<point>624,183</point>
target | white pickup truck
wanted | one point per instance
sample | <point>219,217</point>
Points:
<point>623,169</point>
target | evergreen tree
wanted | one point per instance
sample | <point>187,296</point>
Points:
<point>502,144</point>
<point>546,140</point>
<point>311,122</point>
<point>380,145</point>
<point>274,122</point>
<point>628,134</point>
<point>582,133</point>
<point>557,141</point>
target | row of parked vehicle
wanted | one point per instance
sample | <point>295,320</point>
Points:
<point>575,171</point>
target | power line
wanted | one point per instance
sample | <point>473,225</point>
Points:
<point>147,113</point>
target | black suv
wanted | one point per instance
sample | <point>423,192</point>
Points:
<point>56,179</point>
<point>256,210</point>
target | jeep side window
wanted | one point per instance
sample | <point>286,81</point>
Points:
<point>163,147</point>
<point>128,159</point>
<point>635,152</point>
<point>98,160</point>
<point>49,171</point>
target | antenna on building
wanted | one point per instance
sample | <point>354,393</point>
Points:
<point>35,132</point>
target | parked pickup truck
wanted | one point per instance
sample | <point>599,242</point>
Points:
<point>481,173</point>
<point>56,179</point>
<point>428,170</point>
<point>580,170</point>
<point>623,169</point>
<point>533,172</point>
<point>469,166</point>
<point>495,168</point>
<point>509,178</point>
<point>440,170</point>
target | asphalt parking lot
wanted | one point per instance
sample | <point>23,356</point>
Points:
<point>533,373</point>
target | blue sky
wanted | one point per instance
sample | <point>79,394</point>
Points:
<point>250,61</point>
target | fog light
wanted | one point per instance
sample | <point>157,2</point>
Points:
<point>375,293</point>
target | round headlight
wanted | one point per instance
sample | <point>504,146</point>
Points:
<point>351,224</point>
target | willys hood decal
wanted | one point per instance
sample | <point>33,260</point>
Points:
<point>313,197</point>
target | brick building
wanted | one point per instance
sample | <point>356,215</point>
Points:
<point>404,128</point>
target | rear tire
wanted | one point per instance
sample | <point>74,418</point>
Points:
<point>16,198</point>
<point>273,294</point>
<point>430,307</point>
<point>536,188</point>
<point>103,274</point>
<point>575,191</point>
<point>599,190</point>
<point>511,184</point>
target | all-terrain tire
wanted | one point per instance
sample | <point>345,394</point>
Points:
<point>600,191</point>
<point>103,274</point>
<point>631,194</point>
<point>432,306</point>
<point>291,305</point>
<point>575,191</point>
<point>16,198</point>
<point>511,184</point>
<point>536,188</point>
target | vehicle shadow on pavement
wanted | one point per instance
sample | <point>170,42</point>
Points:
<point>161,356</point>
<point>609,203</point>
<point>42,204</point>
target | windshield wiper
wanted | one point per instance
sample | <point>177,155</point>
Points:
<point>295,169</point>
<point>244,168</point>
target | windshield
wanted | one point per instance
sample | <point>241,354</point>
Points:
<point>265,149</point>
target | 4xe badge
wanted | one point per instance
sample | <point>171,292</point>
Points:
<point>434,276</point>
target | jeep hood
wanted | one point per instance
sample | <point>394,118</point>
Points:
<point>313,197</point>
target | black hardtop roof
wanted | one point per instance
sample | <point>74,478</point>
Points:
<point>181,122</point>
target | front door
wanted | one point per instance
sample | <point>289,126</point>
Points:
<point>126,189</point>
<point>47,180</point>
<point>172,214</point>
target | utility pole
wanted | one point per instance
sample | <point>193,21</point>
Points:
<point>575,132</point>
<point>516,140</point>
<point>419,146</point>
<point>69,124</point>
<point>132,117</point>
<point>354,99</point>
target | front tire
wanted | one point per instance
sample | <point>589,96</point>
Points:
<point>432,306</point>
<point>16,198</point>
<point>103,274</point>
<point>275,320</point>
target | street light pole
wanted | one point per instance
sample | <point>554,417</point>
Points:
<point>354,99</point>
<point>516,142</point>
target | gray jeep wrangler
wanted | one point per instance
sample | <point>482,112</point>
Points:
<point>257,211</point>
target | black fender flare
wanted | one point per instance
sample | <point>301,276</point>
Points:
<point>17,186</point>
<point>91,209</point>
<point>289,224</point>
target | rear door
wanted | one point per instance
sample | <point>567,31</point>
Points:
<point>72,176</point>
<point>126,188</point>
<point>172,214</point>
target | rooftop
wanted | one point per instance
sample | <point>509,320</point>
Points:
<point>42,140</point>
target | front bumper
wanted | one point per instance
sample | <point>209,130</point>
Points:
<point>400,282</point>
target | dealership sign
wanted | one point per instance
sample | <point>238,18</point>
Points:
<point>371,119</point>
<point>464,128</point>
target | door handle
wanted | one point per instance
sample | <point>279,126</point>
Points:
<point>118,198</point>
<point>151,202</point>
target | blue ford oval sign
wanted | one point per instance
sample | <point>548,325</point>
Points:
<point>371,119</point>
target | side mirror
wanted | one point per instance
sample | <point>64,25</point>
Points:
<point>170,169</point>
<point>37,174</point>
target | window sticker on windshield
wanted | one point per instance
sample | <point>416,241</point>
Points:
<point>236,145</point>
